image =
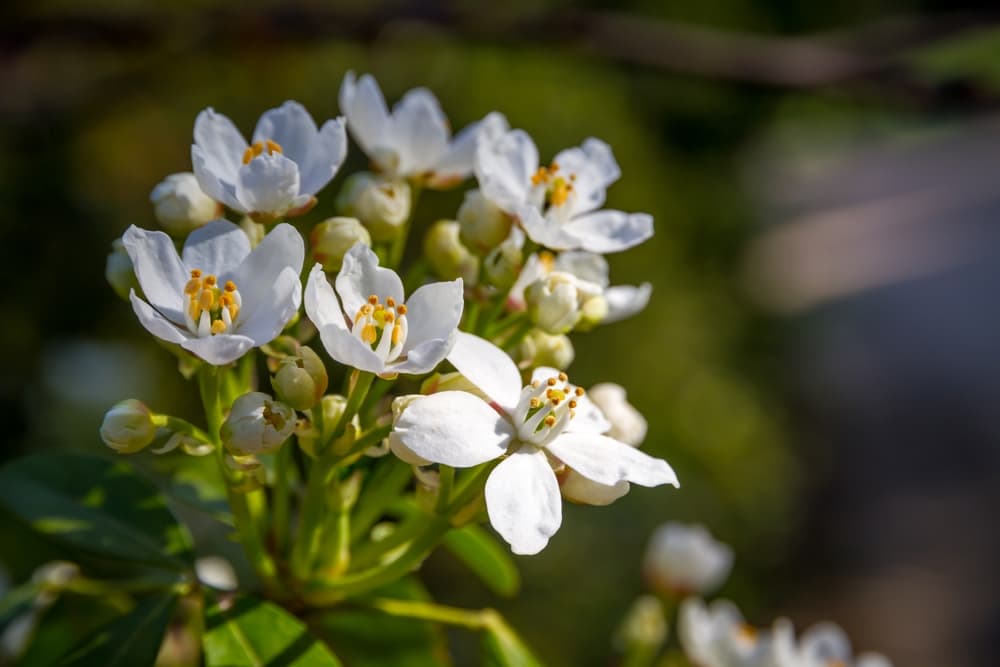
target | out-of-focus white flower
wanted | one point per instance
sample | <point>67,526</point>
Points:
<point>684,559</point>
<point>181,206</point>
<point>331,239</point>
<point>627,423</point>
<point>483,226</point>
<point>547,423</point>
<point>558,205</point>
<point>557,301</point>
<point>543,349</point>
<point>257,424</point>
<point>382,204</point>
<point>279,172</point>
<point>827,645</point>
<point>128,427</point>
<point>717,636</point>
<point>447,256</point>
<point>217,299</point>
<point>216,572</point>
<point>367,324</point>
<point>413,141</point>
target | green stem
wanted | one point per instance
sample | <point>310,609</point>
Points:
<point>360,383</point>
<point>517,335</point>
<point>389,479</point>
<point>446,476</point>
<point>471,316</point>
<point>492,315</point>
<point>335,533</point>
<point>283,469</point>
<point>371,552</point>
<point>378,389</point>
<point>313,507</point>
<point>470,619</point>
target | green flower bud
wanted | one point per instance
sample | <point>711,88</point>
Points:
<point>448,258</point>
<point>128,427</point>
<point>180,206</point>
<point>542,349</point>
<point>483,226</point>
<point>301,381</point>
<point>332,238</point>
<point>593,310</point>
<point>257,424</point>
<point>119,272</point>
<point>382,205</point>
<point>332,407</point>
<point>503,265</point>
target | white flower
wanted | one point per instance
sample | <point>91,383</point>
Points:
<point>128,427</point>
<point>257,424</point>
<point>683,559</point>
<point>826,645</point>
<point>180,205</point>
<point>547,423</point>
<point>288,161</point>
<point>717,636</point>
<point>590,273</point>
<point>372,328</point>
<point>217,299</point>
<point>558,205</point>
<point>414,141</point>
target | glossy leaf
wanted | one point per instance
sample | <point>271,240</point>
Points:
<point>490,561</point>
<point>96,506</point>
<point>503,647</point>
<point>247,631</point>
<point>132,639</point>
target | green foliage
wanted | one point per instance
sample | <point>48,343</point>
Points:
<point>490,561</point>
<point>132,639</point>
<point>502,646</point>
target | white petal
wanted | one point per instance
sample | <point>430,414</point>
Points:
<point>291,127</point>
<point>219,350</point>
<point>824,643</point>
<point>405,454</point>
<point>155,323</point>
<point>216,248</point>
<point>523,502</point>
<point>159,270</point>
<point>595,169</point>
<point>273,307</point>
<point>328,152</point>
<point>367,115</point>
<point>533,270</point>
<point>221,144</point>
<point>269,184</point>
<point>545,231</point>
<point>504,168</point>
<point>584,265</point>
<point>360,277</point>
<point>454,428</point>
<point>589,418</point>
<point>488,367</point>
<point>457,163</point>
<point>322,305</point>
<point>420,132</point>
<point>872,660</point>
<point>433,312</point>
<point>610,231</point>
<point>625,301</point>
<point>607,461</point>
<point>579,489</point>
<point>255,278</point>
<point>349,350</point>
<point>211,184</point>
<point>425,357</point>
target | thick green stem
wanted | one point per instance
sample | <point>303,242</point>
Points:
<point>389,479</point>
<point>446,476</point>
<point>281,511</point>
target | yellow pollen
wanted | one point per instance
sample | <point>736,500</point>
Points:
<point>379,316</point>
<point>390,302</point>
<point>210,280</point>
<point>234,310</point>
<point>560,192</point>
<point>547,259</point>
<point>373,300</point>
<point>401,309</point>
<point>192,286</point>
<point>230,286</point>
<point>389,317</point>
<point>555,395</point>
<point>273,147</point>
<point>578,391</point>
<point>563,377</point>
<point>195,273</point>
<point>397,334</point>
<point>218,326</point>
<point>554,166</point>
<point>747,632</point>
<point>535,403</point>
<point>206,299</point>
<point>257,147</point>
<point>550,420</point>
<point>572,405</point>
<point>551,382</point>
<point>368,334</point>
<point>540,176</point>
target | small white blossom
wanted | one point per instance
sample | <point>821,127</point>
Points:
<point>180,205</point>
<point>413,141</point>
<point>217,299</point>
<point>558,206</point>
<point>367,324</point>
<point>128,427</point>
<point>717,636</point>
<point>257,424</point>
<point>549,423</point>
<point>827,645</point>
<point>683,559</point>
<point>278,173</point>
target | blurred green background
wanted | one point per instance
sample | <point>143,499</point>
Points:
<point>705,104</point>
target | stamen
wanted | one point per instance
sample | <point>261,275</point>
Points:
<point>195,273</point>
<point>397,334</point>
<point>218,326</point>
<point>273,147</point>
<point>540,176</point>
<point>206,299</point>
<point>192,286</point>
<point>373,300</point>
<point>578,391</point>
<point>551,382</point>
<point>368,334</point>
<point>390,302</point>
<point>401,309</point>
<point>572,405</point>
<point>211,280</point>
<point>535,403</point>
<point>550,420</point>
<point>230,286</point>
<point>554,166</point>
<point>563,377</point>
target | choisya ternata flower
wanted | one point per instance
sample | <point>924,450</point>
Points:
<point>279,172</point>
<point>217,299</point>
<point>413,141</point>
<point>717,636</point>
<point>826,645</point>
<point>547,423</point>
<point>557,205</point>
<point>368,324</point>
<point>682,559</point>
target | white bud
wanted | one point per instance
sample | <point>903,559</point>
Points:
<point>332,238</point>
<point>128,427</point>
<point>119,272</point>
<point>483,225</point>
<point>554,302</point>
<point>543,349</point>
<point>448,258</point>
<point>627,424</point>
<point>502,266</point>
<point>593,310</point>
<point>382,205</point>
<point>180,205</point>
<point>257,424</point>
<point>216,572</point>
<point>684,559</point>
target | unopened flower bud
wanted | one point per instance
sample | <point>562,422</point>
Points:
<point>627,424</point>
<point>128,427</point>
<point>119,272</point>
<point>332,407</point>
<point>543,349</point>
<point>684,559</point>
<point>593,310</point>
<point>448,258</point>
<point>554,303</point>
<point>257,424</point>
<point>332,238</point>
<point>301,380</point>
<point>216,572</point>
<point>644,625</point>
<point>180,205</point>
<point>382,205</point>
<point>254,230</point>
<point>503,265</point>
<point>482,225</point>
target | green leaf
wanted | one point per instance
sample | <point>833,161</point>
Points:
<point>132,639</point>
<point>247,631</point>
<point>60,627</point>
<point>503,647</point>
<point>490,561</point>
<point>94,505</point>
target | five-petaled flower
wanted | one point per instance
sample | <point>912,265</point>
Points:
<point>558,205</point>
<point>217,299</point>
<point>549,423</point>
<point>279,172</point>
<point>372,327</point>
<point>414,141</point>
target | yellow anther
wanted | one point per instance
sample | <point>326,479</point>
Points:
<point>547,259</point>
<point>226,299</point>
<point>572,177</point>
<point>234,310</point>
<point>273,147</point>
<point>389,317</point>
<point>560,192</point>
<point>390,302</point>
<point>578,391</point>
<point>192,286</point>
<point>555,395</point>
<point>206,299</point>
<point>550,420</point>
<point>563,377</point>
<point>373,300</point>
<point>540,176</point>
<point>210,280</point>
<point>218,326</point>
<point>368,334</point>
<point>401,309</point>
<point>379,316</point>
<point>534,384</point>
<point>397,334</point>
<point>572,405</point>
<point>535,403</point>
<point>230,286</point>
<point>554,166</point>
<point>196,273</point>
<point>551,382</point>
<point>747,632</point>
<point>255,149</point>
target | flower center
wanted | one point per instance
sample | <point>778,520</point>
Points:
<point>551,188</point>
<point>259,147</point>
<point>545,408</point>
<point>211,310</point>
<point>383,326</point>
